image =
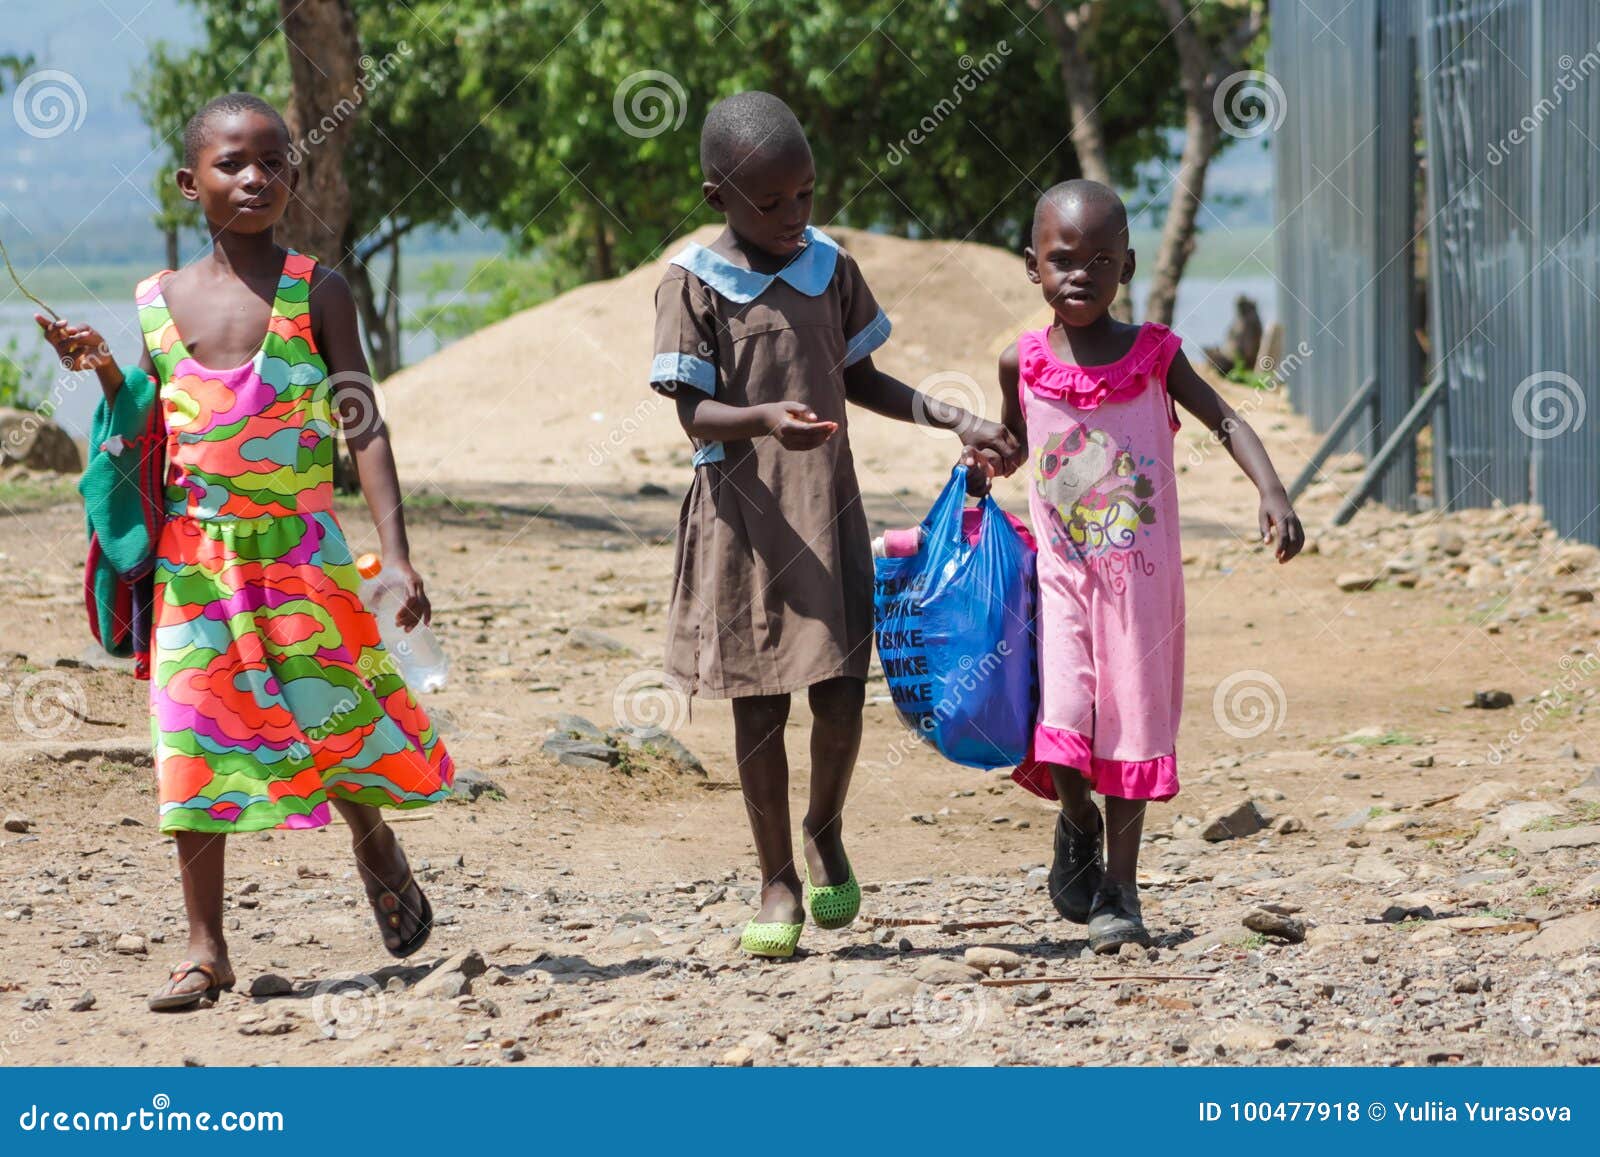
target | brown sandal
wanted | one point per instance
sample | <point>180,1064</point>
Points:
<point>168,1001</point>
<point>386,905</point>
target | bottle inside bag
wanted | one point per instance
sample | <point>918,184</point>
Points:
<point>417,653</point>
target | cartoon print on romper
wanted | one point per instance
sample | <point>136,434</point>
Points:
<point>1098,498</point>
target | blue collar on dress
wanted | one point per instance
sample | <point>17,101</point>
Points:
<point>810,272</point>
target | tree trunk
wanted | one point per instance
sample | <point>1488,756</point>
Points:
<point>170,234</point>
<point>604,263</point>
<point>1077,82</point>
<point>1201,68</point>
<point>382,350</point>
<point>324,65</point>
<point>1083,104</point>
<point>1177,234</point>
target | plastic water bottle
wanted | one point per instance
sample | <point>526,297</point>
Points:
<point>898,543</point>
<point>422,661</point>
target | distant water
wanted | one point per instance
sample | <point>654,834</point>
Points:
<point>75,395</point>
<point>1205,310</point>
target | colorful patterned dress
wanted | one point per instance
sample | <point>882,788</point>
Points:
<point>271,691</point>
<point>1104,501</point>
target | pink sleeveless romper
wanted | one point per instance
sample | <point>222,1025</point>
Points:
<point>1105,513</point>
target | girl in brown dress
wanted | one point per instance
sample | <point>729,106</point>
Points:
<point>761,338</point>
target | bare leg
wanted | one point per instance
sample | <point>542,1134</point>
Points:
<point>835,742</point>
<point>201,857</point>
<point>382,863</point>
<point>1124,826</point>
<point>200,866</point>
<point>758,723</point>
<point>1077,803</point>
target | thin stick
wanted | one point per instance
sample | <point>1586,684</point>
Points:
<point>1017,981</point>
<point>17,281</point>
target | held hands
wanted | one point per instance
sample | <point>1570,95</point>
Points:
<point>1278,520</point>
<point>1005,452</point>
<point>416,608</point>
<point>795,426</point>
<point>79,347</point>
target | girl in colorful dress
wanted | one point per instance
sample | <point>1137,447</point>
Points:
<point>272,697</point>
<point>761,339</point>
<point>1093,400</point>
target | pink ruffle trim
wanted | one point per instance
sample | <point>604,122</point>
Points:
<point>1152,779</point>
<point>1085,387</point>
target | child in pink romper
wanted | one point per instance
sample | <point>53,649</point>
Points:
<point>1094,399</point>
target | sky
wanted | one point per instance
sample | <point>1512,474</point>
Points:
<point>84,192</point>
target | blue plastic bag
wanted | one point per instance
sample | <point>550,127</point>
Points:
<point>954,626</point>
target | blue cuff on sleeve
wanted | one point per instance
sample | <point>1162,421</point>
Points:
<point>869,339</point>
<point>697,372</point>
<point>710,452</point>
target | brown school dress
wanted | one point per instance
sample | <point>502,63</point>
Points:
<point>773,574</point>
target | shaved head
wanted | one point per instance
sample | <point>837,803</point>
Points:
<point>745,127</point>
<point>196,134</point>
<point>1091,205</point>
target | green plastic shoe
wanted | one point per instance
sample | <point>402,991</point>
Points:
<point>775,939</point>
<point>833,905</point>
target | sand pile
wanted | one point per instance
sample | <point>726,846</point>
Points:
<point>559,392</point>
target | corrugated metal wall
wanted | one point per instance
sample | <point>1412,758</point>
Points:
<point>1565,449</point>
<point>1510,118</point>
<point>1344,161</point>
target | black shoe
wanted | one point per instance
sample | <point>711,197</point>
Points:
<point>1078,869</point>
<point>1115,918</point>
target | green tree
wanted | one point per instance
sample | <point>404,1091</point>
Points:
<point>572,126</point>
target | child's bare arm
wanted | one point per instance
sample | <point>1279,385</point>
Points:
<point>80,347</point>
<point>708,420</point>
<point>333,319</point>
<point>868,386</point>
<point>1277,518</point>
